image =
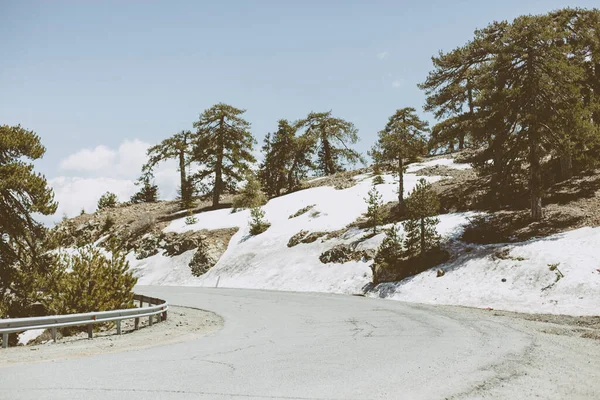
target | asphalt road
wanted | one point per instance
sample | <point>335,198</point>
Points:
<point>278,345</point>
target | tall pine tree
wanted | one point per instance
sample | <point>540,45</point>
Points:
<point>179,147</point>
<point>223,147</point>
<point>331,137</point>
<point>403,138</point>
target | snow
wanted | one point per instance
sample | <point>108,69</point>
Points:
<point>29,335</point>
<point>475,279</point>
<point>447,162</point>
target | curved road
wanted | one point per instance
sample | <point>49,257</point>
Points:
<point>280,345</point>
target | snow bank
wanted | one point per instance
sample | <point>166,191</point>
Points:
<point>475,279</point>
<point>29,335</point>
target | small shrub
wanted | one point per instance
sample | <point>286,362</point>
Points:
<point>148,193</point>
<point>89,281</point>
<point>258,224</point>
<point>109,222</point>
<point>82,212</point>
<point>250,196</point>
<point>191,218</point>
<point>377,179</point>
<point>302,211</point>
<point>107,200</point>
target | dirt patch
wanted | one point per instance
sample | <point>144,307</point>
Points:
<point>587,327</point>
<point>181,325</point>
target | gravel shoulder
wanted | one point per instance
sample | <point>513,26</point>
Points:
<point>182,324</point>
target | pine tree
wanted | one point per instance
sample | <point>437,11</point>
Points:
<point>422,205</point>
<point>223,148</point>
<point>331,137</point>
<point>179,147</point>
<point>286,160</point>
<point>107,200</point>
<point>23,192</point>
<point>148,193</point>
<point>251,194</point>
<point>389,252</point>
<point>402,139</point>
<point>258,224</point>
<point>374,209</point>
<point>89,281</point>
<point>528,87</point>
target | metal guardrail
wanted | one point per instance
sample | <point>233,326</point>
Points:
<point>155,307</point>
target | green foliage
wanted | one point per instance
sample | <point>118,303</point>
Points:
<point>148,192</point>
<point>258,224</point>
<point>89,281</point>
<point>23,192</point>
<point>109,222</point>
<point>251,194</point>
<point>330,137</point>
<point>107,200</point>
<point>523,91</point>
<point>82,212</point>
<point>421,206</point>
<point>223,147</point>
<point>287,159</point>
<point>389,251</point>
<point>378,178</point>
<point>374,209</point>
<point>191,218</point>
<point>402,139</point>
<point>179,147</point>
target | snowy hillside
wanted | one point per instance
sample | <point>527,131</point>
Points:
<point>474,279</point>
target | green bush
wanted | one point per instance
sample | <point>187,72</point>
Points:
<point>107,200</point>
<point>258,224</point>
<point>250,196</point>
<point>91,280</point>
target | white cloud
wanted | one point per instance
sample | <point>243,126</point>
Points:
<point>89,173</point>
<point>398,83</point>
<point>96,159</point>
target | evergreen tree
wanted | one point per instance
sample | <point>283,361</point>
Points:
<point>179,147</point>
<point>374,206</point>
<point>331,137</point>
<point>107,200</point>
<point>223,148</point>
<point>389,251</point>
<point>251,194</point>
<point>286,160</point>
<point>258,224</point>
<point>148,193</point>
<point>402,139</point>
<point>530,95</point>
<point>89,281</point>
<point>422,205</point>
<point>23,192</point>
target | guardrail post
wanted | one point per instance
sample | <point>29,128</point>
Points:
<point>150,320</point>
<point>54,335</point>
<point>90,329</point>
<point>137,324</point>
<point>141,301</point>
<point>118,327</point>
<point>164,314</point>
<point>4,340</point>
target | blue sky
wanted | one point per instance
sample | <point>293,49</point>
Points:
<point>84,74</point>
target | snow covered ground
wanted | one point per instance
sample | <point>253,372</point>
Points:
<point>475,279</point>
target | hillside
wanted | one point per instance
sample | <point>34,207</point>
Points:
<point>496,260</point>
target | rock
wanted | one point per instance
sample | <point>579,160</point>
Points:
<point>503,279</point>
<point>440,273</point>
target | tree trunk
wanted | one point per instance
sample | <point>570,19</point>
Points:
<point>219,164</point>
<point>422,236</point>
<point>183,179</point>
<point>535,178</point>
<point>329,167</point>
<point>401,184</point>
<point>566,166</point>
